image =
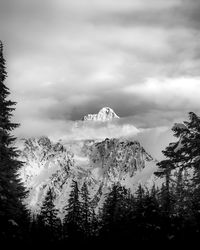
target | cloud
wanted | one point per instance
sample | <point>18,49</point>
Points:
<point>166,14</point>
<point>76,130</point>
<point>100,131</point>
<point>155,140</point>
<point>177,93</point>
<point>69,58</point>
<point>152,139</point>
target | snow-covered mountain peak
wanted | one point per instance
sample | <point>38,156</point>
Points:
<point>98,164</point>
<point>105,114</point>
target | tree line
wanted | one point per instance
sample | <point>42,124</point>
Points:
<point>169,212</point>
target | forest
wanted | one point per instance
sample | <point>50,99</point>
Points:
<point>168,213</point>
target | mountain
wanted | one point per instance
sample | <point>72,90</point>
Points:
<point>105,114</point>
<point>98,164</point>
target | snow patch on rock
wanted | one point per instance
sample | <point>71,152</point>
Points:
<point>105,114</point>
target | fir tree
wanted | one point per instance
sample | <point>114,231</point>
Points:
<point>73,220</point>
<point>146,217</point>
<point>95,225</point>
<point>115,212</point>
<point>182,174</point>
<point>48,217</point>
<point>11,190</point>
<point>109,209</point>
<point>192,155</point>
<point>86,211</point>
<point>167,168</point>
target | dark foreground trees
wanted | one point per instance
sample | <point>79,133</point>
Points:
<point>48,221</point>
<point>11,190</point>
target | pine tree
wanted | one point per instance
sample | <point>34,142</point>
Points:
<point>138,213</point>
<point>73,220</point>
<point>95,225</point>
<point>174,162</point>
<point>192,152</point>
<point>146,219</point>
<point>48,217</point>
<point>86,211</point>
<point>11,190</point>
<point>165,192</point>
<point>181,192</point>
<point>153,216</point>
<point>115,212</point>
<point>109,208</point>
<point>182,174</point>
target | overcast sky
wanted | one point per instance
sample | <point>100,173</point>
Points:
<point>67,58</point>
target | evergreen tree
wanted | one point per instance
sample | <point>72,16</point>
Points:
<point>73,220</point>
<point>86,211</point>
<point>11,190</point>
<point>109,209</point>
<point>115,212</point>
<point>48,218</point>
<point>146,214</point>
<point>182,174</point>
<point>175,162</point>
<point>37,229</point>
<point>191,150</point>
<point>95,225</point>
<point>182,195</point>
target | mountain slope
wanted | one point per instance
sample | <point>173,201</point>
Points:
<point>98,164</point>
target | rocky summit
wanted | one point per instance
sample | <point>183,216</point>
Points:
<point>105,114</point>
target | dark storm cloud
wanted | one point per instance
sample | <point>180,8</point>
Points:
<point>68,58</point>
<point>169,14</point>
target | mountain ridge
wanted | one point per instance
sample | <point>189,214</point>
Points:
<point>98,164</point>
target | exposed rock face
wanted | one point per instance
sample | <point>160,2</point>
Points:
<point>45,163</point>
<point>105,114</point>
<point>117,158</point>
<point>99,164</point>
